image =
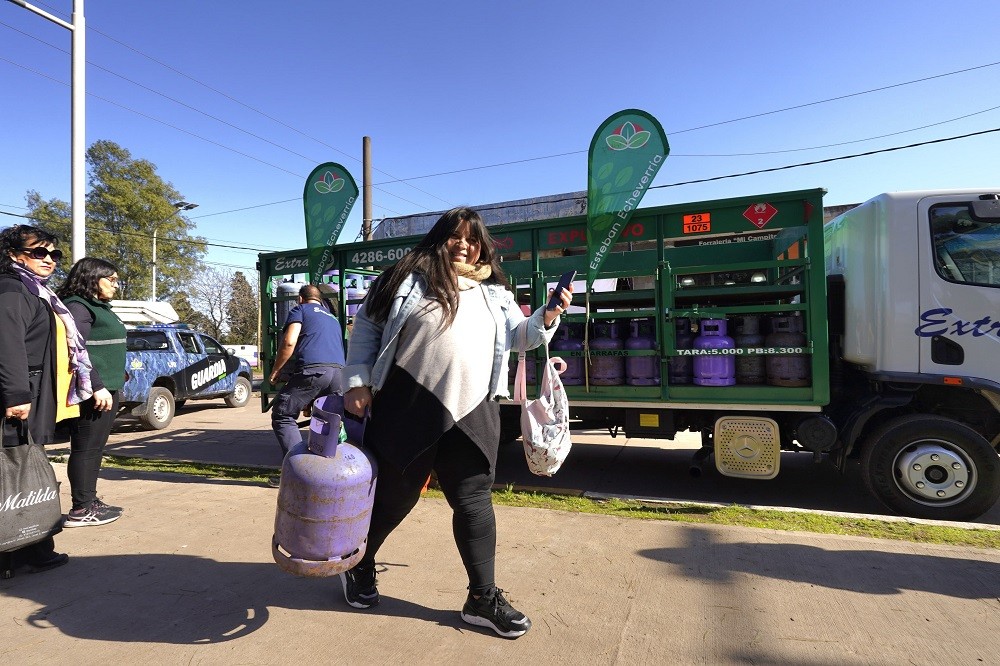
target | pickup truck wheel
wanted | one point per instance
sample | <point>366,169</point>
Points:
<point>241,393</point>
<point>159,408</point>
<point>932,467</point>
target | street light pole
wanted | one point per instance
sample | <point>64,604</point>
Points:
<point>78,141</point>
<point>179,206</point>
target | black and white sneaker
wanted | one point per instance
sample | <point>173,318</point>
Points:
<point>360,588</point>
<point>493,611</point>
<point>100,503</point>
<point>91,515</point>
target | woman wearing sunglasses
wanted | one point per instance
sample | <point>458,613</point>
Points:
<point>28,357</point>
<point>87,292</point>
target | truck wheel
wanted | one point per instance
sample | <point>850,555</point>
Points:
<point>159,408</point>
<point>241,393</point>
<point>932,467</point>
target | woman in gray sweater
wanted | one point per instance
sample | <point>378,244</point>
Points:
<point>427,358</point>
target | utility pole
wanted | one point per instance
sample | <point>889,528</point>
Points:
<point>366,212</point>
<point>78,141</point>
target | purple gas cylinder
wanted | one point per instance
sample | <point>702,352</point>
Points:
<point>642,370</point>
<point>530,376</point>
<point>719,367</point>
<point>679,367</point>
<point>749,367</point>
<point>568,339</point>
<point>324,501</point>
<point>787,369</point>
<point>606,367</point>
<point>353,292</point>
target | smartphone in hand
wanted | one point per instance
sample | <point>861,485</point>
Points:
<point>565,280</point>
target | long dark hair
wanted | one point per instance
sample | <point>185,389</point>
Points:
<point>13,239</point>
<point>83,278</point>
<point>431,259</point>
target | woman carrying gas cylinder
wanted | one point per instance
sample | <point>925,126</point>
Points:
<point>427,359</point>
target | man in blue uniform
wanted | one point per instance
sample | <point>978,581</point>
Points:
<point>313,335</point>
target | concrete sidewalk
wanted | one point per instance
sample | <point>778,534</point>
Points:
<point>186,576</point>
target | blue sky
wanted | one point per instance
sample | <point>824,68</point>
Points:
<point>235,103</point>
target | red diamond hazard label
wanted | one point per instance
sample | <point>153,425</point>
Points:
<point>760,214</point>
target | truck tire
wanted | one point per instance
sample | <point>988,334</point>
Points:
<point>241,393</point>
<point>159,409</point>
<point>931,467</point>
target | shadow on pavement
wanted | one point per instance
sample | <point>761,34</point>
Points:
<point>185,600</point>
<point>862,571</point>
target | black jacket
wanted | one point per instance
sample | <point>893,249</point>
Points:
<point>27,346</point>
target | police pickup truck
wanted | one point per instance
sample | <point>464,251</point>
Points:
<point>169,364</point>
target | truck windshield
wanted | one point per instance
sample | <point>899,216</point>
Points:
<point>965,250</point>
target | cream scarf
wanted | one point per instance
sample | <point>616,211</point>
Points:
<point>477,273</point>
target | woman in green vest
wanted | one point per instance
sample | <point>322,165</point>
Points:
<point>89,287</point>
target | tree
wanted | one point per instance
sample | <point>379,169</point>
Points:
<point>209,296</point>
<point>127,203</point>
<point>241,311</point>
<point>186,313</point>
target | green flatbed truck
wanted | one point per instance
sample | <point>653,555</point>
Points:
<point>869,338</point>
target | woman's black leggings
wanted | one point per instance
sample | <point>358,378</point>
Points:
<point>89,435</point>
<point>464,475</point>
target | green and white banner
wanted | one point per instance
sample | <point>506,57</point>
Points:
<point>328,197</point>
<point>625,154</point>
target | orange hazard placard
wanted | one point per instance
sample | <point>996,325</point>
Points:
<point>698,223</point>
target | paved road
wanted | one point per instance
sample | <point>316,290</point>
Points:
<point>211,432</point>
<point>187,576</point>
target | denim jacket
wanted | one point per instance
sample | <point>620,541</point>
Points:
<point>371,348</point>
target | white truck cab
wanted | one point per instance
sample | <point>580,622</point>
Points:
<point>920,276</point>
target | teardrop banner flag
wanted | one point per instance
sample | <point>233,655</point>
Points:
<point>625,154</point>
<point>328,197</point>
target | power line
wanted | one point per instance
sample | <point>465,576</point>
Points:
<point>838,97</point>
<point>190,241</point>
<point>830,159</point>
<point>227,96</point>
<point>677,184</point>
<point>513,162</point>
<point>190,133</point>
<point>841,143</point>
<point>509,163</point>
<point>726,122</point>
<point>256,110</point>
<point>273,203</point>
<point>780,168</point>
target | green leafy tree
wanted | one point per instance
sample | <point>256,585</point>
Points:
<point>241,311</point>
<point>127,203</point>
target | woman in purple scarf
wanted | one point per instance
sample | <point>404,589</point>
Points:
<point>28,257</point>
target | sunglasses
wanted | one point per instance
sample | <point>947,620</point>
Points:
<point>40,253</point>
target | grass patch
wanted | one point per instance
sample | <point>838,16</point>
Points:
<point>208,470</point>
<point>689,513</point>
<point>742,516</point>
